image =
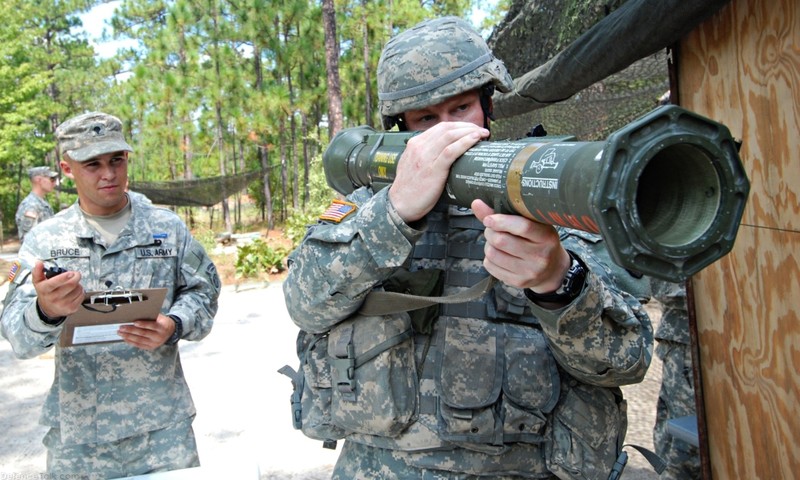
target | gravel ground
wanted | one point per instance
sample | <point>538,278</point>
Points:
<point>243,423</point>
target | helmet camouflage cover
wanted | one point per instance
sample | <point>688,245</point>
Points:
<point>433,61</point>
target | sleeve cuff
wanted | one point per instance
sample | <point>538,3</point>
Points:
<point>411,233</point>
<point>35,319</point>
<point>52,321</point>
<point>575,317</point>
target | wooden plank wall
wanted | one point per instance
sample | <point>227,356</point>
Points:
<point>742,68</point>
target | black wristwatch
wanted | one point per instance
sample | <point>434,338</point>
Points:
<point>571,286</point>
<point>48,320</point>
<point>178,333</point>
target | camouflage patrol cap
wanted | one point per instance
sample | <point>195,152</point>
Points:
<point>89,135</point>
<point>433,61</point>
<point>41,172</point>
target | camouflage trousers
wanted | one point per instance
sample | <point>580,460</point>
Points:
<point>676,399</point>
<point>363,462</point>
<point>170,448</point>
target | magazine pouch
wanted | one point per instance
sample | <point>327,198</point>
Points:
<point>311,398</point>
<point>576,452</point>
<point>497,382</point>
<point>373,377</point>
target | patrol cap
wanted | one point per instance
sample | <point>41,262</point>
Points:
<point>41,172</point>
<point>89,135</point>
<point>433,61</point>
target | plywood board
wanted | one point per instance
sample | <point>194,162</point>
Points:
<point>742,68</point>
<point>749,339</point>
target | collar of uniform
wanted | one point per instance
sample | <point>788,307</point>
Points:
<point>74,216</point>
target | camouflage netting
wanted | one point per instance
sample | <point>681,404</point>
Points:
<point>203,192</point>
<point>587,67</point>
<point>600,109</point>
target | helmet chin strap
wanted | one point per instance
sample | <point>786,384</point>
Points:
<point>485,94</point>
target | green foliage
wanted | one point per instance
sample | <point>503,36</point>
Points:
<point>205,88</point>
<point>494,10</point>
<point>297,224</point>
<point>205,236</point>
<point>320,195</point>
<point>258,257</point>
<point>41,62</point>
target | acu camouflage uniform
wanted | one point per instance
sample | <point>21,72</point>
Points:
<point>105,398</point>
<point>494,387</point>
<point>31,211</point>
<point>676,397</point>
<point>497,387</point>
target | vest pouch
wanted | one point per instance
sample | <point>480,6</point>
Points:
<point>531,384</point>
<point>373,374</point>
<point>511,304</point>
<point>469,381</point>
<point>315,385</point>
<point>586,432</point>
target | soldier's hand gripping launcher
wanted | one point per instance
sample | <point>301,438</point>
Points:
<point>666,192</point>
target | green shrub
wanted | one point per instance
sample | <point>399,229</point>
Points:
<point>298,222</point>
<point>258,257</point>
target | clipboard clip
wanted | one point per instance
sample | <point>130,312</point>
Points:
<point>107,301</point>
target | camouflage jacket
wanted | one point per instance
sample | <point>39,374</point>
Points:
<point>674,324</point>
<point>31,211</point>
<point>492,374</point>
<point>105,392</point>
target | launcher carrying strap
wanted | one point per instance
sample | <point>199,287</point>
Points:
<point>385,303</point>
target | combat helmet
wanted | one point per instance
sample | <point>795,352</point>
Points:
<point>433,61</point>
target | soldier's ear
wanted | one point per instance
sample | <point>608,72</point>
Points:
<point>66,168</point>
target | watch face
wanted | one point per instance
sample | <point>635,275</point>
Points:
<point>571,286</point>
<point>575,278</point>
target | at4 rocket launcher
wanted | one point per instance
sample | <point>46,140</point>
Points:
<point>666,192</point>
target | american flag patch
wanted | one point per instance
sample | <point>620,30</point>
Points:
<point>338,211</point>
<point>14,270</point>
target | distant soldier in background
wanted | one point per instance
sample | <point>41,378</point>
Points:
<point>34,209</point>
<point>676,397</point>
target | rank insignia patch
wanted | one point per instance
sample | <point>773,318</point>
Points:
<point>15,268</point>
<point>338,211</point>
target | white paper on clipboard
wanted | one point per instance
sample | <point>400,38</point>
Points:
<point>103,312</point>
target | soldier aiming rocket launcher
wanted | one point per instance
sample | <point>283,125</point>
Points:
<point>666,192</point>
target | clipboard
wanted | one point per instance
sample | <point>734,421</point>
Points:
<point>103,312</point>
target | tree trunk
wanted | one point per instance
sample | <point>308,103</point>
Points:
<point>226,214</point>
<point>284,169</point>
<point>367,74</point>
<point>306,160</point>
<point>332,66</point>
